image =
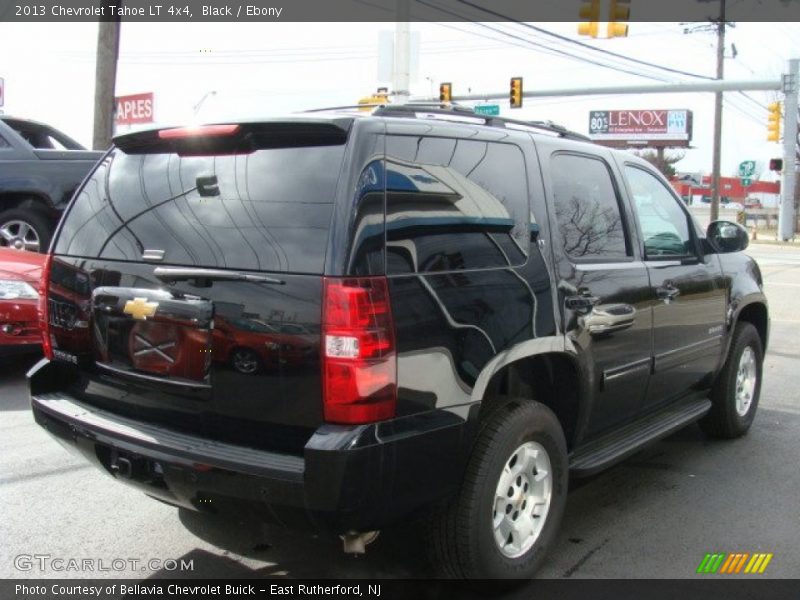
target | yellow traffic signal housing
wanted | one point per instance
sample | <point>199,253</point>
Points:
<point>619,10</point>
<point>589,12</point>
<point>617,30</point>
<point>445,92</point>
<point>774,122</point>
<point>379,97</point>
<point>515,93</point>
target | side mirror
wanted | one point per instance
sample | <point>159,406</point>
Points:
<point>726,236</point>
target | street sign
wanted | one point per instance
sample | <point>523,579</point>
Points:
<point>747,168</point>
<point>746,182</point>
<point>490,110</point>
<point>137,108</point>
<point>2,91</point>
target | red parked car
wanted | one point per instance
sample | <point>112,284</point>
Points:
<point>250,345</point>
<point>19,283</point>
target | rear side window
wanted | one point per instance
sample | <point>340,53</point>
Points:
<point>587,208</point>
<point>267,210</point>
<point>454,204</point>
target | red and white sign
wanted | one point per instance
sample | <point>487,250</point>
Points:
<point>2,91</point>
<point>134,109</point>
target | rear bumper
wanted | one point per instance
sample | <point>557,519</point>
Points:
<point>349,478</point>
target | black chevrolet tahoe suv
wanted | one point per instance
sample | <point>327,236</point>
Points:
<point>347,321</point>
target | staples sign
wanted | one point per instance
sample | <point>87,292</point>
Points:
<point>134,109</point>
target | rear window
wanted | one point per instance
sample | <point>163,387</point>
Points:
<point>268,210</point>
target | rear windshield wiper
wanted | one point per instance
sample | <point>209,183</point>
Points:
<point>168,274</point>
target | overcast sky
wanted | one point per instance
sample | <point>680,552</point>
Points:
<point>275,68</point>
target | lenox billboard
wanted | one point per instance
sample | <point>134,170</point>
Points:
<point>642,128</point>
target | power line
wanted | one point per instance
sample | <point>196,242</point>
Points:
<point>564,53</point>
<point>741,111</point>
<point>542,47</point>
<point>754,101</point>
<point>583,45</point>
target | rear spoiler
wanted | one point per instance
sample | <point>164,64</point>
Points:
<point>235,138</point>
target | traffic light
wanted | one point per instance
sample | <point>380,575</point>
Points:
<point>619,10</point>
<point>379,97</point>
<point>589,12</point>
<point>515,93</point>
<point>774,122</point>
<point>776,164</point>
<point>445,92</point>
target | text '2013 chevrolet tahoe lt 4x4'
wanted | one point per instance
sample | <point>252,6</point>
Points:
<point>348,321</point>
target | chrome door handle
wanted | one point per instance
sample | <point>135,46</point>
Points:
<point>668,292</point>
<point>608,318</point>
<point>581,302</point>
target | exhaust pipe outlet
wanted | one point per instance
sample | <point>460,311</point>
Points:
<point>356,543</point>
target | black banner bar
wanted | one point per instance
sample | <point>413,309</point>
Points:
<point>705,588</point>
<point>182,11</point>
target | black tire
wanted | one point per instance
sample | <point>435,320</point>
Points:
<point>462,533</point>
<point>12,221</point>
<point>245,361</point>
<point>724,419</point>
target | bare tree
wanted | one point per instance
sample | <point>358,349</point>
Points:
<point>661,160</point>
<point>588,228</point>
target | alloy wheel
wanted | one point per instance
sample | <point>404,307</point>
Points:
<point>19,235</point>
<point>746,379</point>
<point>522,499</point>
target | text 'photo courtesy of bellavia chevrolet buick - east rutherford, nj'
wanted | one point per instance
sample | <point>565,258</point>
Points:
<point>295,322</point>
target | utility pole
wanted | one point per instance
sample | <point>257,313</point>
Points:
<point>105,78</point>
<point>402,52</point>
<point>787,214</point>
<point>717,158</point>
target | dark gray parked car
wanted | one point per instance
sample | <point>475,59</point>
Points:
<point>40,168</point>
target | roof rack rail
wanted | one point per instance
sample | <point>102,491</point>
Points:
<point>551,127</point>
<point>343,107</point>
<point>444,107</point>
<point>411,109</point>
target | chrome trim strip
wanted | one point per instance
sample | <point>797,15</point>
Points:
<point>610,266</point>
<point>627,369</point>
<point>665,360</point>
<point>177,382</point>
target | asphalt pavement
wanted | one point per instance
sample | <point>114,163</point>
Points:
<point>655,515</point>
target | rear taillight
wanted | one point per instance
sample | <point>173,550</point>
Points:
<point>359,358</point>
<point>42,308</point>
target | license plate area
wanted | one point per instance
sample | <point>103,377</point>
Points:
<point>152,333</point>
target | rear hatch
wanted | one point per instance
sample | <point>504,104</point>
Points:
<point>186,279</point>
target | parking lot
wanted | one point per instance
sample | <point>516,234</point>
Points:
<point>655,515</point>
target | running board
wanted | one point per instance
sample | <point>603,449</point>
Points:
<point>620,444</point>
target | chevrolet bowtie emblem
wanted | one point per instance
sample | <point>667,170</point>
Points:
<point>140,308</point>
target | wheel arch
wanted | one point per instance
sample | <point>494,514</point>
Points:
<point>30,200</point>
<point>756,314</point>
<point>542,370</point>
